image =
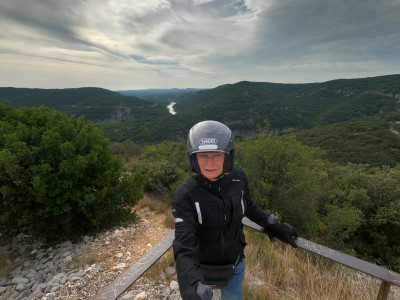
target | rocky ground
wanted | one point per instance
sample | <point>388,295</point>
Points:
<point>116,251</point>
<point>85,268</point>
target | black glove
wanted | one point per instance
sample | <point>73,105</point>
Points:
<point>283,231</point>
<point>204,292</point>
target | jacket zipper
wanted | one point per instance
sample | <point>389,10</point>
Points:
<point>220,227</point>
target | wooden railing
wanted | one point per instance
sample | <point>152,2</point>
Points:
<point>115,289</point>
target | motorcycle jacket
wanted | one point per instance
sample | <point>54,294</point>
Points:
<point>208,224</point>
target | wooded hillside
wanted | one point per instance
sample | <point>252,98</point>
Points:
<point>353,120</point>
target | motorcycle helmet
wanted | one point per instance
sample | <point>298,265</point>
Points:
<point>211,136</point>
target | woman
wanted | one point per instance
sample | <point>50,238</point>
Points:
<point>208,209</point>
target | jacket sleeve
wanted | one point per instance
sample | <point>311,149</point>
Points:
<point>253,211</point>
<point>185,244</point>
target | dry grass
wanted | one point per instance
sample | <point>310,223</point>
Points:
<point>5,264</point>
<point>9,260</point>
<point>160,207</point>
<point>276,271</point>
<point>83,261</point>
<point>167,260</point>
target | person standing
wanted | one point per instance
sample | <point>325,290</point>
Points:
<point>208,209</point>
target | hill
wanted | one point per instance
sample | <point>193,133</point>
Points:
<point>159,95</point>
<point>373,140</point>
<point>297,106</point>
<point>244,106</point>
<point>321,114</point>
<point>95,104</point>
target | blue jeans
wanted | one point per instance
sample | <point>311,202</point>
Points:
<point>233,291</point>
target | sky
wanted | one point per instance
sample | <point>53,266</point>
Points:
<point>143,44</point>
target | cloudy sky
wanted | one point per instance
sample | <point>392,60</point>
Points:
<point>138,44</point>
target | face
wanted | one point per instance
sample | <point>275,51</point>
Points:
<point>211,164</point>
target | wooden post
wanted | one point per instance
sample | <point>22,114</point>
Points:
<point>383,291</point>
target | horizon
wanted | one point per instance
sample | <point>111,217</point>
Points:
<point>195,88</point>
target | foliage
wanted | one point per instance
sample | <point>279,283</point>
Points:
<point>369,140</point>
<point>361,114</point>
<point>150,130</point>
<point>243,106</point>
<point>159,177</point>
<point>58,172</point>
<point>342,222</point>
<point>162,168</point>
<point>298,106</point>
<point>360,207</point>
<point>284,176</point>
<point>175,153</point>
<point>159,95</point>
<point>126,150</point>
<point>352,207</point>
<point>95,104</point>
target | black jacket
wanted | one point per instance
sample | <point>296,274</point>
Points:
<point>208,224</point>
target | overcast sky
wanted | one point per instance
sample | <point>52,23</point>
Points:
<point>138,44</point>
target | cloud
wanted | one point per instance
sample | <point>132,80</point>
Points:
<point>144,60</point>
<point>197,43</point>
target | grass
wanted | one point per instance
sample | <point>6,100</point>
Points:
<point>276,271</point>
<point>9,260</point>
<point>160,207</point>
<point>83,261</point>
<point>167,260</point>
<point>5,264</point>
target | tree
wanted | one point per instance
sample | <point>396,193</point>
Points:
<point>58,172</point>
<point>360,205</point>
<point>284,175</point>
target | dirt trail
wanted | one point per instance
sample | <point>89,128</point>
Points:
<point>114,252</point>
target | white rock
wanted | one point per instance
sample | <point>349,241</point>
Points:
<point>141,296</point>
<point>174,285</point>
<point>120,266</point>
<point>67,259</point>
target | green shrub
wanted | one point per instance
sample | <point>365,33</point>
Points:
<point>284,176</point>
<point>160,177</point>
<point>58,172</point>
<point>163,167</point>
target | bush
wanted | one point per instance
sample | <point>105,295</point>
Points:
<point>163,167</point>
<point>58,172</point>
<point>160,177</point>
<point>284,176</point>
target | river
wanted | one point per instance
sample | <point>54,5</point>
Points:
<point>171,108</point>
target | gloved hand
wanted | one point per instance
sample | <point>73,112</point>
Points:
<point>283,231</point>
<point>204,291</point>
